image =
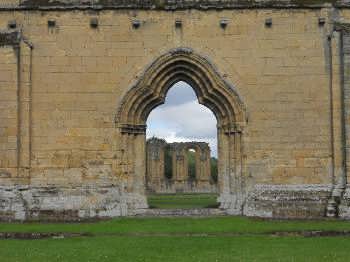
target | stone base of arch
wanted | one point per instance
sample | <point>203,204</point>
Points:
<point>78,203</point>
<point>306,201</point>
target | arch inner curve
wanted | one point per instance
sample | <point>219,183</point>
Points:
<point>175,66</point>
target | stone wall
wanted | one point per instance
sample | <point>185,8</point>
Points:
<point>180,181</point>
<point>281,70</point>
<point>155,156</point>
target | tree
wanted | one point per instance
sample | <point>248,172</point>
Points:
<point>214,169</point>
<point>191,158</point>
<point>168,163</point>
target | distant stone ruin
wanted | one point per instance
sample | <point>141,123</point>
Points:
<point>180,179</point>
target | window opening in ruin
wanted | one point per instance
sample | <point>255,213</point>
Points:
<point>191,164</point>
<point>181,152</point>
<point>168,163</point>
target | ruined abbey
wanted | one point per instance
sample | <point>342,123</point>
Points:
<point>179,178</point>
<point>78,79</point>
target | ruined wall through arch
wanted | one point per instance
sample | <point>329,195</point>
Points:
<point>180,182</point>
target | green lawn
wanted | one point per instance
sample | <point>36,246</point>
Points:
<point>166,201</point>
<point>192,249</point>
<point>178,239</point>
<point>180,225</point>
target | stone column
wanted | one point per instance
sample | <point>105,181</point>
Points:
<point>206,169</point>
<point>23,53</point>
<point>339,203</point>
<point>230,169</point>
<point>155,164</point>
<point>25,107</point>
<point>203,166</point>
<point>335,82</point>
<point>131,166</point>
<point>180,172</point>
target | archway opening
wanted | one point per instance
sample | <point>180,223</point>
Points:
<point>183,134</point>
<point>213,91</point>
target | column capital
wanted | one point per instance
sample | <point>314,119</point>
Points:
<point>135,129</point>
<point>229,129</point>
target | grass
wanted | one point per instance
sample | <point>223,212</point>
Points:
<point>170,239</point>
<point>183,225</point>
<point>180,249</point>
<point>166,201</point>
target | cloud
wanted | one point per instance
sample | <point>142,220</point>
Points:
<point>183,121</point>
<point>190,120</point>
<point>180,93</point>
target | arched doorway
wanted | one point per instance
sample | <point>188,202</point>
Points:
<point>213,92</point>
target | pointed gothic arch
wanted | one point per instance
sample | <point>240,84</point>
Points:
<point>213,91</point>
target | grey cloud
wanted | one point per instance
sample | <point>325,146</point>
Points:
<point>183,119</point>
<point>180,93</point>
<point>187,120</point>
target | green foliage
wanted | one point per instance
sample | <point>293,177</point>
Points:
<point>191,158</point>
<point>214,169</point>
<point>168,163</point>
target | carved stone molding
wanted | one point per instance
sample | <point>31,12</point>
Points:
<point>170,4</point>
<point>183,64</point>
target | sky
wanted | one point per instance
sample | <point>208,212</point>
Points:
<point>182,119</point>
